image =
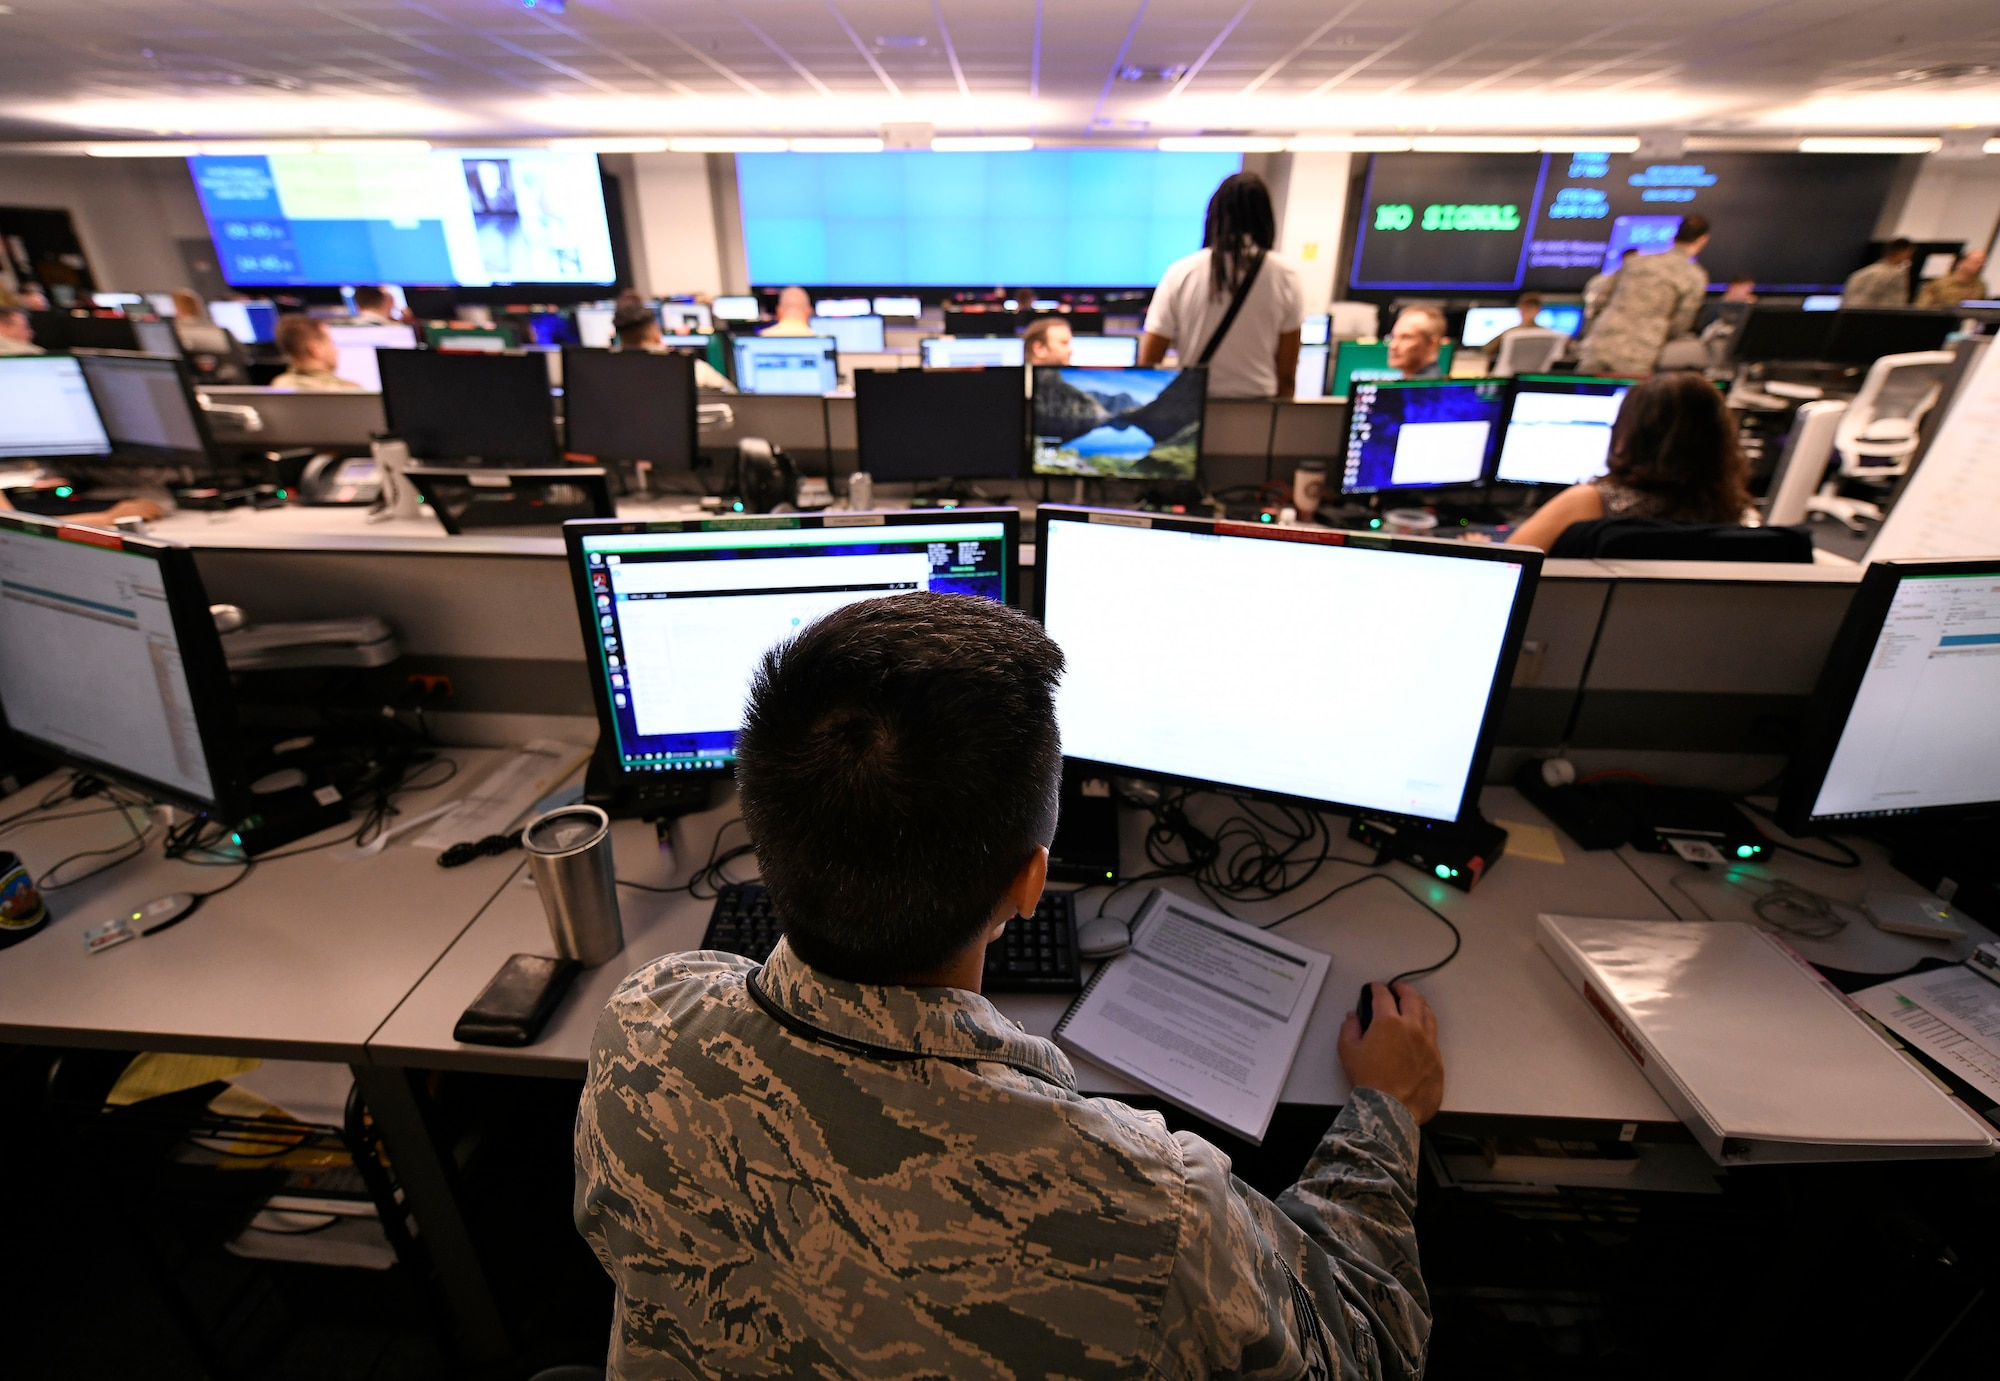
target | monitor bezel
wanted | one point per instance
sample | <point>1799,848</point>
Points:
<point>1486,463</point>
<point>65,457</point>
<point>736,344</point>
<point>1514,391</point>
<point>1832,703</point>
<point>1527,558</point>
<point>126,454</point>
<point>576,530</point>
<point>1030,468</point>
<point>202,662</point>
<point>895,380</point>
<point>670,359</point>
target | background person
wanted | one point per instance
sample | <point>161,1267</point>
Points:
<point>1047,341</point>
<point>1962,284</point>
<point>637,327</point>
<point>795,309</point>
<point>17,332</point>
<point>1654,300</point>
<point>1884,283</point>
<point>311,358</point>
<point>1529,305</point>
<point>374,306</point>
<point>1597,288</point>
<point>1259,356</point>
<point>1415,342</point>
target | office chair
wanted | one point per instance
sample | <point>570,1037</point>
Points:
<point>214,354</point>
<point>1684,352</point>
<point>1879,434</point>
<point>1353,321</point>
<point>1659,539</point>
<point>1803,465</point>
<point>1527,350</point>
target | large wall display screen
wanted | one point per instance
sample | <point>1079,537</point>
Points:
<point>1052,218</point>
<point>1503,222</point>
<point>469,217</point>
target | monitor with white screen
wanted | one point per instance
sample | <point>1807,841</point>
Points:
<point>902,308</point>
<point>972,352</point>
<point>594,327</point>
<point>787,364</point>
<point>1821,302</point>
<point>357,346</point>
<point>1421,434</point>
<point>149,408</point>
<point>1311,379</point>
<point>856,335</point>
<point>120,300</point>
<point>1482,324</point>
<point>110,661</point>
<point>1902,722</point>
<point>1104,352</point>
<point>46,410</point>
<point>1559,429</point>
<point>1140,606</point>
<point>842,306</point>
<point>739,308</point>
<point>677,614</point>
<point>1315,329</point>
<point>682,317</point>
<point>252,323</point>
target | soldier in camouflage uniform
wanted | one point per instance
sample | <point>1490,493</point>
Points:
<point>1655,299</point>
<point>847,1163</point>
<point>1884,283</point>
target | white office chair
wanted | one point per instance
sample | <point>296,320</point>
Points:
<point>1878,435</point>
<point>1353,321</point>
<point>1803,465</point>
<point>1527,350</point>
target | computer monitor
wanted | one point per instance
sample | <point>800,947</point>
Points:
<point>842,306</point>
<point>902,308</point>
<point>855,335</point>
<point>1184,659</point>
<point>60,330</point>
<point>787,364</point>
<point>46,410</point>
<point>687,340</point>
<point>1781,333</point>
<point>1566,317</point>
<point>630,405</point>
<point>1119,423</point>
<point>1558,429</point>
<point>739,308</point>
<point>1355,360</point>
<point>686,316</point>
<point>1482,324</point>
<point>252,323</point>
<point>149,409</point>
<point>678,614</point>
<point>916,424</point>
<point>1315,329</point>
<point>456,406</point>
<point>1311,379</point>
<point>1821,302</point>
<point>357,346</point>
<point>1421,434</point>
<point>158,338</point>
<point>118,300</point>
<point>973,352</point>
<point>491,340</point>
<point>1902,721</point>
<point>1104,352</point>
<point>109,660</point>
<point>1864,335</point>
<point>594,327</point>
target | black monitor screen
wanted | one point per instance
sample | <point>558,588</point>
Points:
<point>1119,423</point>
<point>916,424</point>
<point>148,407</point>
<point>630,405</point>
<point>1782,333</point>
<point>1864,335</point>
<point>449,405</point>
<point>1426,434</point>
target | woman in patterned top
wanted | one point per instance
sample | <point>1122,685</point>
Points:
<point>1674,455</point>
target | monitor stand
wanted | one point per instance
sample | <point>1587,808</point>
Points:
<point>644,795</point>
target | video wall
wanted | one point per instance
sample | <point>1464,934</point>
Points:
<point>1049,218</point>
<point>1503,222</point>
<point>463,217</point>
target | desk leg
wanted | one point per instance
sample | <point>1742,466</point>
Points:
<point>429,1180</point>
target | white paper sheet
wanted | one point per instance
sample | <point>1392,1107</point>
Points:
<point>1952,1015</point>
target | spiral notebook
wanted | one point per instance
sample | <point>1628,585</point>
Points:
<point>1203,1010</point>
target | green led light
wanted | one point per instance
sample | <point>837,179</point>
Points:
<point>236,839</point>
<point>1264,517</point>
<point>1746,850</point>
<point>63,491</point>
<point>283,495</point>
<point>1445,871</point>
<point>1374,522</point>
<point>738,506</point>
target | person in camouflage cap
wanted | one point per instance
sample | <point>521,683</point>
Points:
<point>847,1163</point>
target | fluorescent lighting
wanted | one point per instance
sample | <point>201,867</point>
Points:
<point>842,145</point>
<point>1348,143</point>
<point>1843,145</point>
<point>982,143</point>
<point>138,148</point>
<point>610,145</point>
<point>726,144</point>
<point>1592,143</point>
<point>367,146</point>
<point>1221,143</point>
<point>1478,143</point>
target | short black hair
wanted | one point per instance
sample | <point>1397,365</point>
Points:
<point>1692,229</point>
<point>898,763</point>
<point>634,323</point>
<point>1898,245</point>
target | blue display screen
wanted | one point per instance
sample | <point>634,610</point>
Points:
<point>1049,217</point>
<point>1421,435</point>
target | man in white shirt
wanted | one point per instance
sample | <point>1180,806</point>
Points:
<point>1259,357</point>
<point>795,309</point>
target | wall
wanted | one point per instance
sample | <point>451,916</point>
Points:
<point>675,235</point>
<point>128,212</point>
<point>1953,199</point>
<point>1315,205</point>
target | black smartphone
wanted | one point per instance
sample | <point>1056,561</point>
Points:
<point>514,1005</point>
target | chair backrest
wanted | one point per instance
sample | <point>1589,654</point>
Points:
<point>1659,539</point>
<point>1803,465</point>
<point>1527,350</point>
<point>1879,433</point>
<point>1684,352</point>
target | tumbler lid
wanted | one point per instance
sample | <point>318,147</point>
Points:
<point>565,830</point>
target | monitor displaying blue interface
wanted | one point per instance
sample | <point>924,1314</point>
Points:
<point>1119,423</point>
<point>46,409</point>
<point>1058,218</point>
<point>856,335</point>
<point>1423,434</point>
<point>468,217</point>
<point>972,352</point>
<point>1559,429</point>
<point>1821,302</point>
<point>252,323</point>
<point>1482,324</point>
<point>787,364</point>
<point>679,619</point>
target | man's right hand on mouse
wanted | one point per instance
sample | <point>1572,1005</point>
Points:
<point>1399,1053</point>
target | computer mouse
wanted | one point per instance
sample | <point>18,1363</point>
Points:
<point>1100,937</point>
<point>1365,1008</point>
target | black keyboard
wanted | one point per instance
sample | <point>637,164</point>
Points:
<point>1036,955</point>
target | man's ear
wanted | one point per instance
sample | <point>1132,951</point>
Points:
<point>1024,893</point>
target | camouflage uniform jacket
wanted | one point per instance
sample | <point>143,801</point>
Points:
<point>1880,284</point>
<point>1655,299</point>
<point>787,1174</point>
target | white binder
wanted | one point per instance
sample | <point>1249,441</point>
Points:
<point>1762,1058</point>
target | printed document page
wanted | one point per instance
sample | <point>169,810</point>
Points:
<point>1952,1015</point>
<point>1204,1010</point>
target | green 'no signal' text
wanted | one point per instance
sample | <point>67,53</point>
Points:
<point>1448,216</point>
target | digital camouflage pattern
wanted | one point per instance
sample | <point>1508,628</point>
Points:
<point>1654,298</point>
<point>1880,284</point>
<point>849,1180</point>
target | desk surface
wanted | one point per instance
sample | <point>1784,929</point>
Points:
<point>302,960</point>
<point>1517,1040</point>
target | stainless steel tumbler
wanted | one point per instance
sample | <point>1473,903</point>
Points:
<point>569,850</point>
